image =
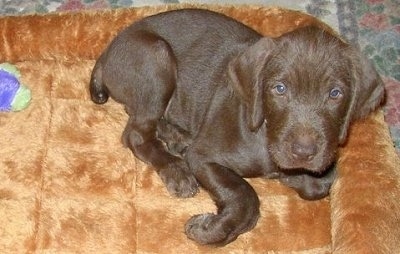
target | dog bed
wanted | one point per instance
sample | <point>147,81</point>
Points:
<point>67,185</point>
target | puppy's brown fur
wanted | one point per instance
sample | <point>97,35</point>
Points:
<point>211,101</point>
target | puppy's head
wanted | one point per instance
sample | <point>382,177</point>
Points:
<point>308,86</point>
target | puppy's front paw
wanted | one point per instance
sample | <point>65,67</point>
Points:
<point>179,181</point>
<point>308,187</point>
<point>214,229</point>
<point>201,229</point>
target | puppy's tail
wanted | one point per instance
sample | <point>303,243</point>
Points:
<point>98,92</point>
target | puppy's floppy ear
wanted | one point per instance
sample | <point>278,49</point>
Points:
<point>367,88</point>
<point>245,72</point>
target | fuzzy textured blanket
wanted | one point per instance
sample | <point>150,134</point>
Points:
<point>67,185</point>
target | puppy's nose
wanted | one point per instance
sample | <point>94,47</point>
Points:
<point>304,147</point>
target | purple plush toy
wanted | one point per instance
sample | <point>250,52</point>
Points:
<point>13,95</point>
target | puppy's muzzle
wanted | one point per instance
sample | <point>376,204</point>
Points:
<point>303,148</point>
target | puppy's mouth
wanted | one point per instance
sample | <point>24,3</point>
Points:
<point>316,164</point>
<point>302,167</point>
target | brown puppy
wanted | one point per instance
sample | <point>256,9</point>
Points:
<point>212,101</point>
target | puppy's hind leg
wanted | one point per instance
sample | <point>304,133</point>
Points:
<point>154,81</point>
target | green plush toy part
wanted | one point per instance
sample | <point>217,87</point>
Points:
<point>13,95</point>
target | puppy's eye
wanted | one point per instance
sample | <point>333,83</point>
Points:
<point>335,93</point>
<point>279,89</point>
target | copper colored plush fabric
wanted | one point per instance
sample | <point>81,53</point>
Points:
<point>67,185</point>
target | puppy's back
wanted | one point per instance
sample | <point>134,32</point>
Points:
<point>184,28</point>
